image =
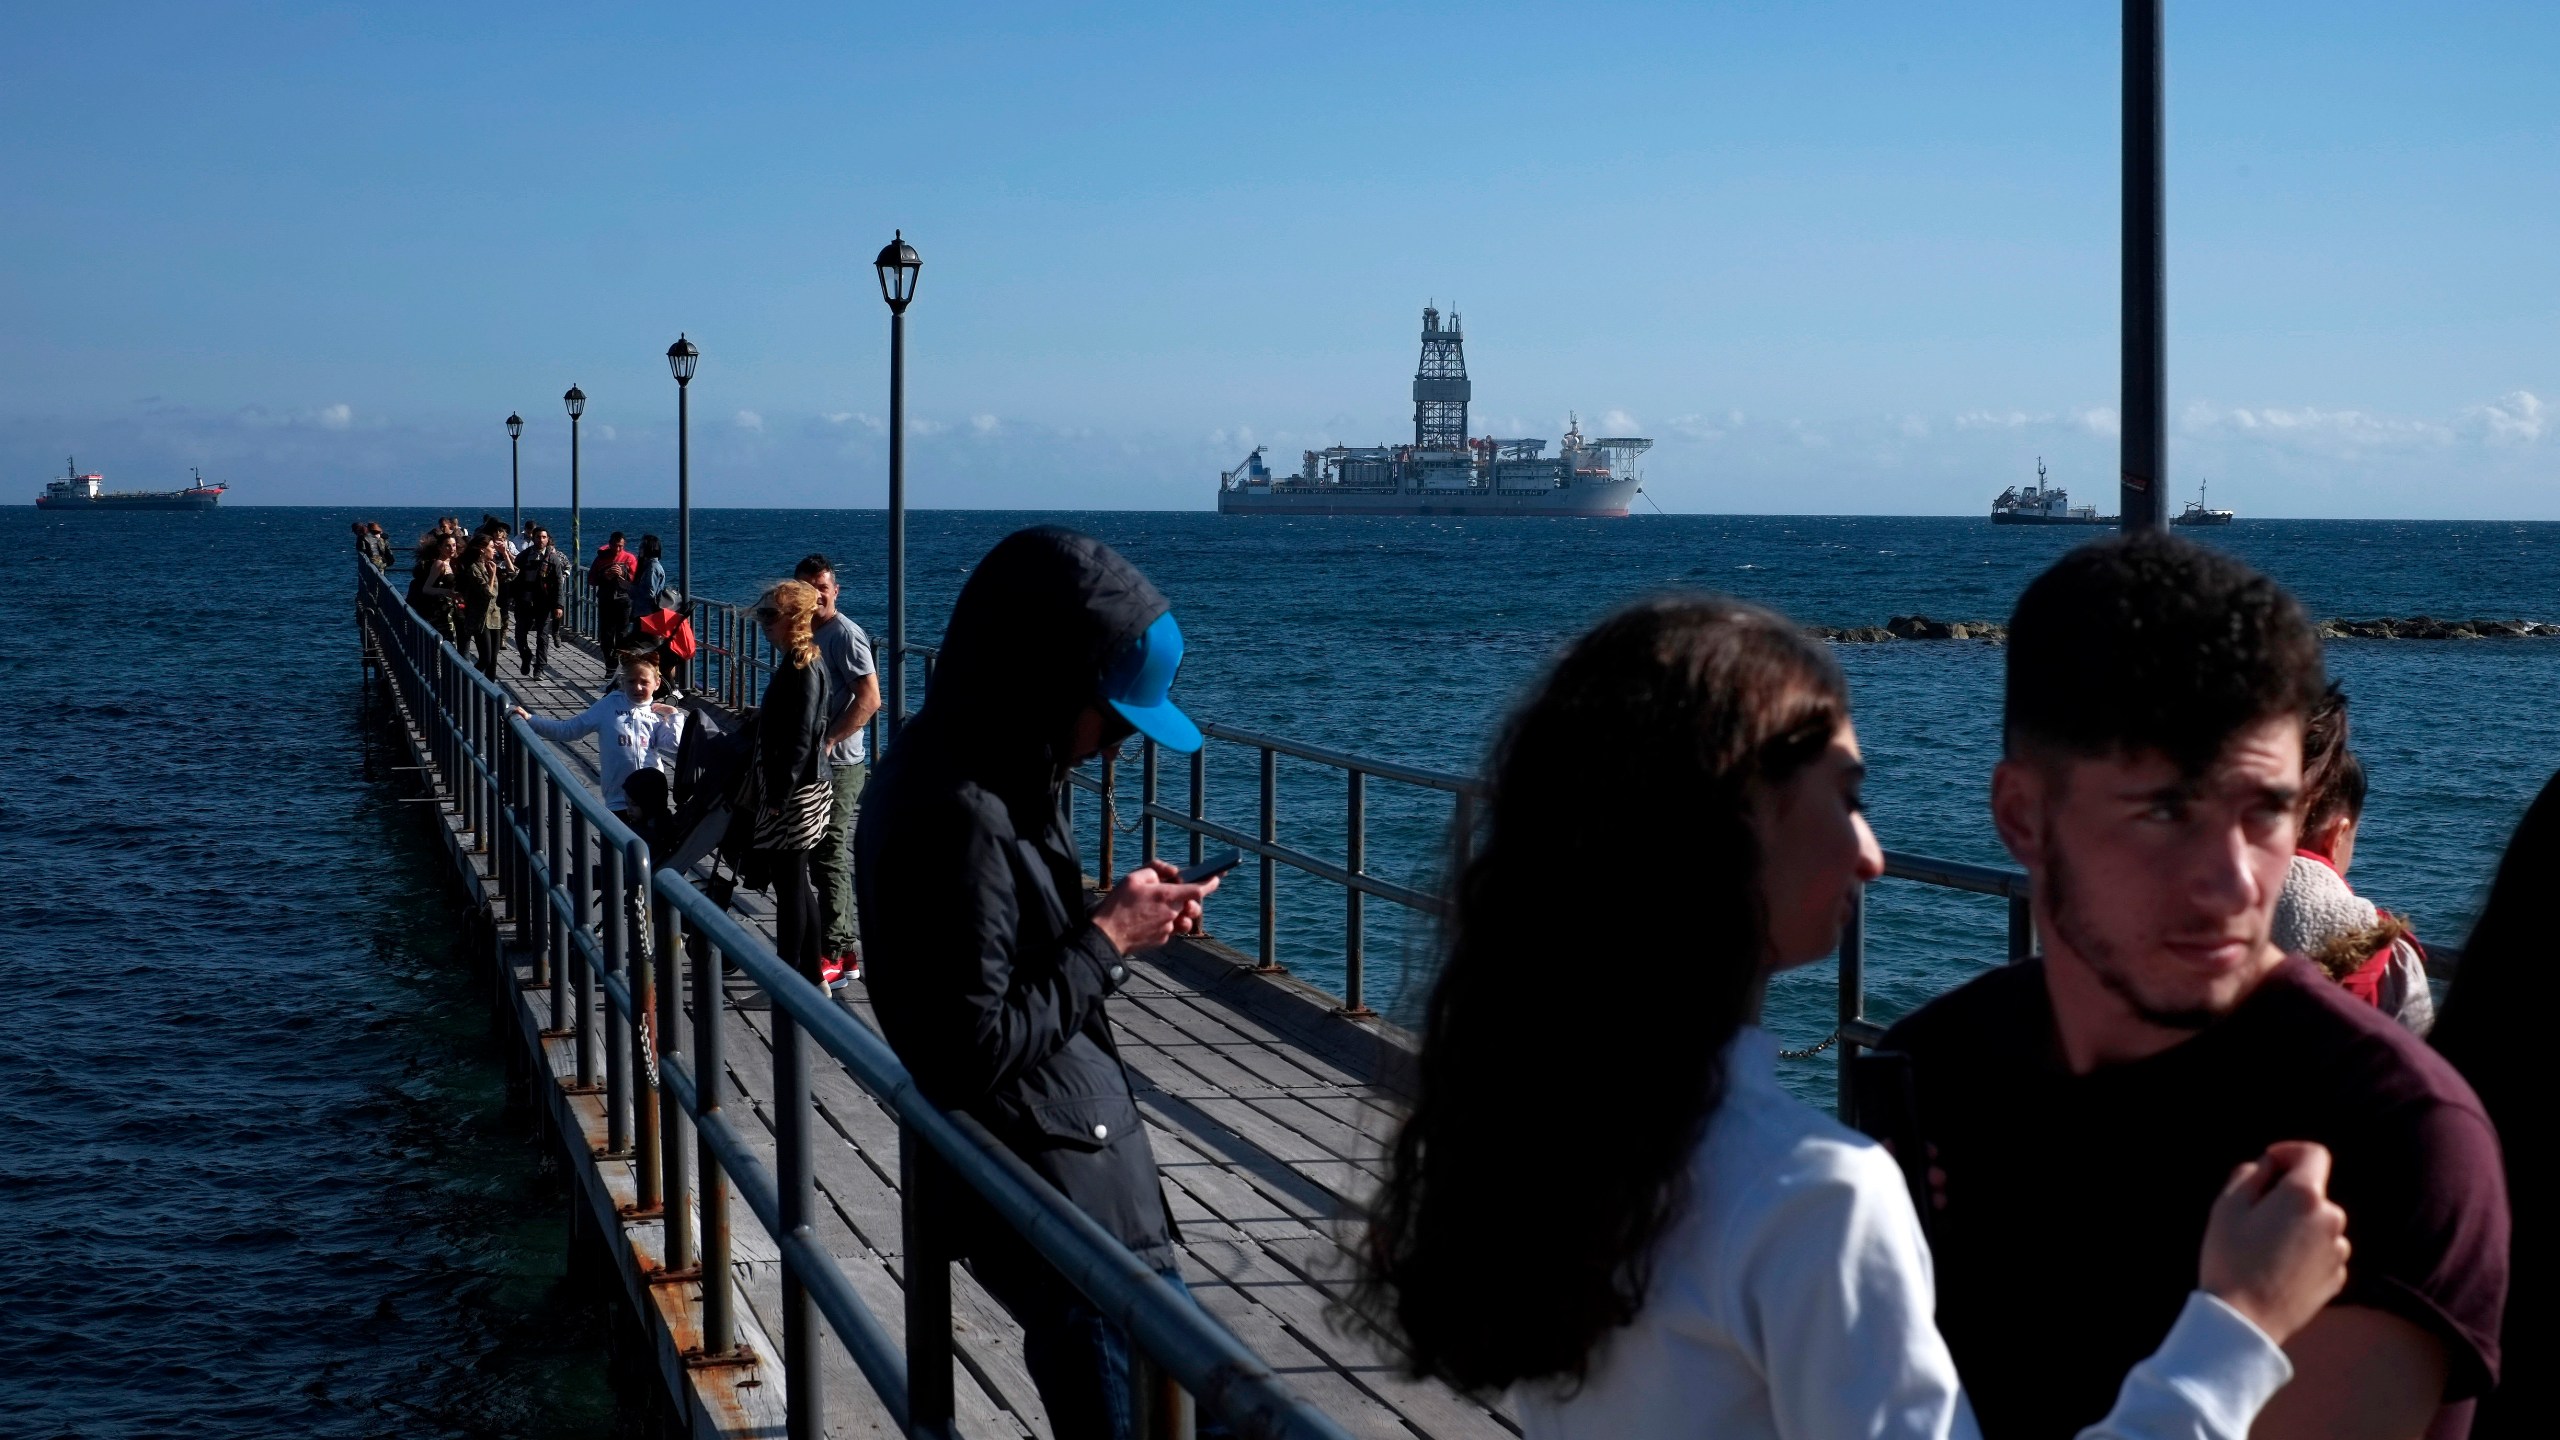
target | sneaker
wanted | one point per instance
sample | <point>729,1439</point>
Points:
<point>831,970</point>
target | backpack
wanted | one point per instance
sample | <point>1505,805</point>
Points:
<point>605,570</point>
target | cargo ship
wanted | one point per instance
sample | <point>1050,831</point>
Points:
<point>1444,471</point>
<point>2043,504</point>
<point>76,491</point>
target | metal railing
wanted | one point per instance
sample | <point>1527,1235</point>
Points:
<point>576,889</point>
<point>1466,794</point>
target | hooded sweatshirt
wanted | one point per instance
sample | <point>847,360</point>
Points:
<point>984,966</point>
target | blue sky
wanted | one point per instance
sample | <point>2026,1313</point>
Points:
<point>1835,258</point>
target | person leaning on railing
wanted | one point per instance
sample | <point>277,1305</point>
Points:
<point>1615,1210</point>
<point>2084,1103</point>
<point>989,965</point>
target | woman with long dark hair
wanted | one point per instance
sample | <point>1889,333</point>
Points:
<point>1602,1200</point>
<point>2491,1030</point>
<point>795,800</point>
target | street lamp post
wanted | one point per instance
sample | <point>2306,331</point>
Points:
<point>681,358</point>
<point>897,264</point>
<point>515,474</point>
<point>576,400</point>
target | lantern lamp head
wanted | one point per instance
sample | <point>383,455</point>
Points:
<point>898,264</point>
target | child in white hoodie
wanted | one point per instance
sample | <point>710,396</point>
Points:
<point>632,731</point>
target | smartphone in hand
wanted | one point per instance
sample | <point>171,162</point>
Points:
<point>1210,868</point>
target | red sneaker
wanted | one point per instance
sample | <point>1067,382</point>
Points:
<point>831,970</point>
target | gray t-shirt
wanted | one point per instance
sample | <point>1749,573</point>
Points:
<point>846,652</point>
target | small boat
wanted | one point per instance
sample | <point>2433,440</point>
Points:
<point>2197,514</point>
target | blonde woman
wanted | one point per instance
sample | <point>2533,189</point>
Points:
<point>793,798</point>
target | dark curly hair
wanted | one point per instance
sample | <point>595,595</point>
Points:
<point>1550,1134</point>
<point>2151,642</point>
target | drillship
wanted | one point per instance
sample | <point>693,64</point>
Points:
<point>2043,504</point>
<point>1443,472</point>
<point>76,491</point>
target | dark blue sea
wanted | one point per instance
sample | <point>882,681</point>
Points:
<point>259,1175</point>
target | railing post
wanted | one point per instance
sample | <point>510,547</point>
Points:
<point>1270,833</point>
<point>1199,798</point>
<point>1108,814</point>
<point>719,1322</point>
<point>1853,993</point>
<point>1147,802</point>
<point>1355,858</point>
<point>803,1399</point>
<point>617,1067</point>
<point>1165,1411</point>
<point>677,1194</point>
<point>920,1211</point>
<point>639,969</point>
<point>556,950</point>
<point>581,882</point>
<point>2022,929</point>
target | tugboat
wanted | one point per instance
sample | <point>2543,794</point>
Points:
<point>2043,504</point>
<point>75,491</point>
<point>2197,514</point>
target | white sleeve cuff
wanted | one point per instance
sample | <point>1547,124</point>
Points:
<point>2207,1381</point>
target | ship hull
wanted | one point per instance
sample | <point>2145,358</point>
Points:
<point>2011,517</point>
<point>132,502</point>
<point>1582,502</point>
<point>2222,519</point>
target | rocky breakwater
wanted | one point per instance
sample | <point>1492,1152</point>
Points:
<point>1913,627</point>
<point>2425,627</point>
<point>2415,627</point>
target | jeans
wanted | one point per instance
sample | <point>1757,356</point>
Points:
<point>1080,1360</point>
<point>613,616</point>
<point>534,632</point>
<point>832,862</point>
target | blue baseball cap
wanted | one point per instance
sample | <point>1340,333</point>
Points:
<point>1139,685</point>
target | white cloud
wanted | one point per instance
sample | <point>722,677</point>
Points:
<point>983,424</point>
<point>2514,416</point>
<point>2099,420</point>
<point>837,417</point>
<point>1915,427</point>
<point>335,417</point>
<point>2312,427</point>
<point>1996,420</point>
<point>1619,422</point>
<point>607,432</point>
<point>750,420</point>
<point>917,425</point>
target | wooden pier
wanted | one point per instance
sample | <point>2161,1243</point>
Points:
<point>1265,1104</point>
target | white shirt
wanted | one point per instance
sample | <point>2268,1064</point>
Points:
<point>627,739</point>
<point>1794,1297</point>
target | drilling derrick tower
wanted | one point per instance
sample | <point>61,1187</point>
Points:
<point>1440,389</point>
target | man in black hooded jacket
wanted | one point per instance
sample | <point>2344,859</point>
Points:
<point>988,964</point>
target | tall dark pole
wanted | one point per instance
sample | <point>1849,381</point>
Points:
<point>515,475</point>
<point>897,696</point>
<point>682,356</point>
<point>2143,468</point>
<point>576,400</point>
<point>897,265</point>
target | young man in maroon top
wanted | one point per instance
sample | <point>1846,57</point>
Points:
<point>2085,1107</point>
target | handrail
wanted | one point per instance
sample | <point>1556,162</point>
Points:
<point>547,835</point>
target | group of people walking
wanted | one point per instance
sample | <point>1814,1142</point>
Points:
<point>2194,1170</point>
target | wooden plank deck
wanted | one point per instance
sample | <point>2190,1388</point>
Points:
<point>1266,1113</point>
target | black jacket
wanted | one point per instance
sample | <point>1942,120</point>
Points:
<point>982,959</point>
<point>791,728</point>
